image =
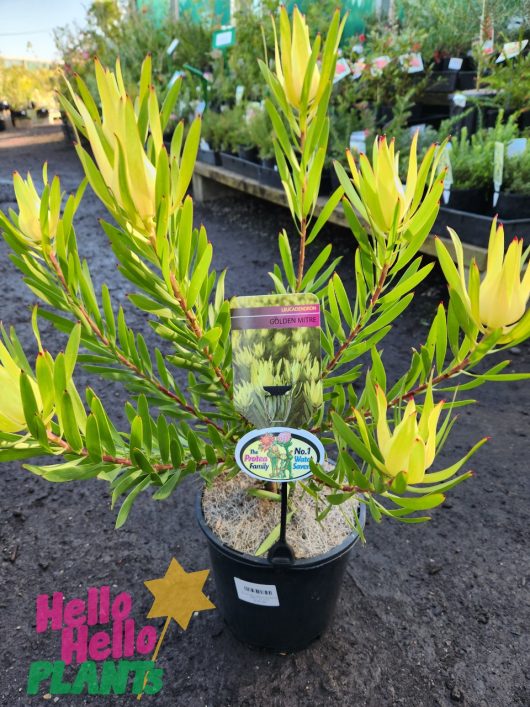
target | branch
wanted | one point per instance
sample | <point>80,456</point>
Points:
<point>181,402</point>
<point>197,330</point>
<point>120,461</point>
<point>351,336</point>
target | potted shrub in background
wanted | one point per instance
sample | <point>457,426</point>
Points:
<point>384,429</point>
<point>514,198</point>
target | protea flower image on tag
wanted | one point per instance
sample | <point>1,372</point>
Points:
<point>278,454</point>
<point>276,358</point>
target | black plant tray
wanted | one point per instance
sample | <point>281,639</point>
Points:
<point>442,82</point>
<point>475,228</point>
<point>209,157</point>
<point>239,166</point>
<point>270,177</point>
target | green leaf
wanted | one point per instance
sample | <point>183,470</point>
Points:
<point>167,488</point>
<point>127,504</point>
<point>69,423</point>
<point>287,259</point>
<point>272,537</point>
<point>324,215</point>
<point>93,443</point>
<point>422,503</point>
<point>346,434</point>
<point>187,163</point>
<point>199,276</point>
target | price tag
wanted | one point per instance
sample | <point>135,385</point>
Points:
<point>455,63</point>
<point>498,167</point>
<point>459,100</point>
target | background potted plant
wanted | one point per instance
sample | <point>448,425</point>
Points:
<point>385,432</point>
<point>514,198</point>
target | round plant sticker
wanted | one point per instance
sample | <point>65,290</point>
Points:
<point>278,454</point>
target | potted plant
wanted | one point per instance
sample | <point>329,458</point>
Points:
<point>384,431</point>
<point>472,173</point>
<point>514,198</point>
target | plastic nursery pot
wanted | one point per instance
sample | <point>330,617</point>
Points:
<point>513,206</point>
<point>282,608</point>
<point>472,200</point>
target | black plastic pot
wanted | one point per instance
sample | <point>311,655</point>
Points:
<point>248,153</point>
<point>470,200</point>
<point>467,80</point>
<point>296,602</point>
<point>442,82</point>
<point>239,166</point>
<point>513,206</point>
<point>208,157</point>
<point>270,177</point>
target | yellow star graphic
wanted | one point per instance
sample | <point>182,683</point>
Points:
<point>178,594</point>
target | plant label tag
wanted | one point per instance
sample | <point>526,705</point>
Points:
<point>510,50</point>
<point>516,147</point>
<point>412,62</point>
<point>455,63</point>
<point>224,38</point>
<point>459,100</point>
<point>240,90</point>
<point>488,47</point>
<point>276,358</point>
<point>498,167</point>
<point>254,593</point>
<point>358,141</point>
<point>358,69</point>
<point>174,44</point>
<point>280,454</point>
<point>342,69</point>
<point>379,64</point>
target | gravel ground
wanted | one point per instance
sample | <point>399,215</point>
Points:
<point>435,614</point>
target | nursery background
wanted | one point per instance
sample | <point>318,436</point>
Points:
<point>428,615</point>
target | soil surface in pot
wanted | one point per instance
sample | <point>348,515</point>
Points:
<point>243,522</point>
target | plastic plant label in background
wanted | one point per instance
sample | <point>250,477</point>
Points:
<point>174,44</point>
<point>224,38</point>
<point>516,147</point>
<point>510,50</point>
<point>412,62</point>
<point>358,141</point>
<point>276,358</point>
<point>455,63</point>
<point>498,168</point>
<point>342,69</point>
<point>280,454</point>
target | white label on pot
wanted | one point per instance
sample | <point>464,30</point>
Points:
<point>455,63</point>
<point>262,594</point>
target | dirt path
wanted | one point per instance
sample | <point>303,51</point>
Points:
<point>429,615</point>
